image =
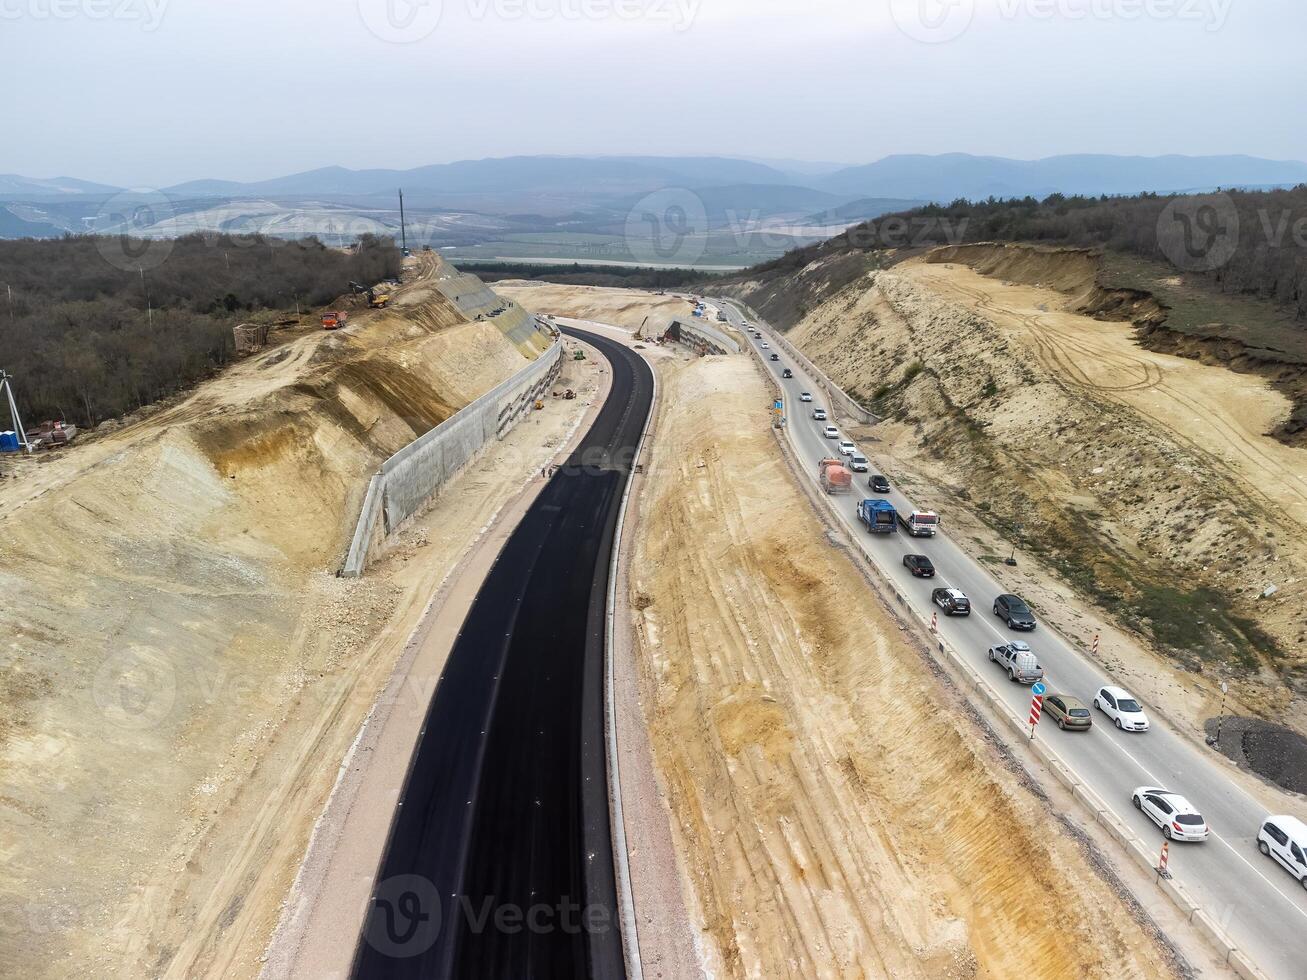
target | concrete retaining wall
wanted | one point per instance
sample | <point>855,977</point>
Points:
<point>701,338</point>
<point>410,478</point>
<point>837,400</point>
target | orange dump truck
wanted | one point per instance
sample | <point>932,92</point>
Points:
<point>333,319</point>
<point>833,476</point>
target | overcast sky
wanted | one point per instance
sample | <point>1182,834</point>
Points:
<point>153,92</point>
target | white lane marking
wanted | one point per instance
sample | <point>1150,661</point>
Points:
<point>1110,740</point>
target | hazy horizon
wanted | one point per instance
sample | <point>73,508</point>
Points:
<point>157,92</point>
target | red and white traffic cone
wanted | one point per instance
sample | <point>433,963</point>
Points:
<point>1166,856</point>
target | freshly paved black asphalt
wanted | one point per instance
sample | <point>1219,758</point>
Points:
<point>499,862</point>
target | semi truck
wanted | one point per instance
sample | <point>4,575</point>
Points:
<point>920,523</point>
<point>833,476</point>
<point>878,516</point>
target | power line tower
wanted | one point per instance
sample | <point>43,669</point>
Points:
<point>7,385</point>
<point>403,234</point>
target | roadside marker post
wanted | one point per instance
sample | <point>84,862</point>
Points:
<point>934,621</point>
<point>1036,706</point>
<point>1095,644</point>
<point>1164,860</point>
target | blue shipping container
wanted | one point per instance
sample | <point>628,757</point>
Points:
<point>9,442</point>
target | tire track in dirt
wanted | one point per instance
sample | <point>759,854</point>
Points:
<point>1059,352</point>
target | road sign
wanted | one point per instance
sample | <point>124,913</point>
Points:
<point>1036,709</point>
<point>1039,689</point>
<point>1166,856</point>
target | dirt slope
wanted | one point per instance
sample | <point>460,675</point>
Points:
<point>180,647</point>
<point>818,839</point>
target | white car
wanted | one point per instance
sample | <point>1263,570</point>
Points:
<point>847,448</point>
<point>1285,840</point>
<point>1122,708</point>
<point>830,432</point>
<point>1170,811</point>
<point>819,414</point>
<point>805,396</point>
<point>859,463</point>
<point>764,345</point>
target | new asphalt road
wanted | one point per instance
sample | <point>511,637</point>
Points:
<point>499,862</point>
<point>1260,906</point>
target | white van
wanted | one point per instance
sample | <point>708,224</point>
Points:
<point>1285,839</point>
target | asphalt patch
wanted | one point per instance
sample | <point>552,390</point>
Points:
<point>1274,752</point>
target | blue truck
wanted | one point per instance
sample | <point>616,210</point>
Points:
<point>879,516</point>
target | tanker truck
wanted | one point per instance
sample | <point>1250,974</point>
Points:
<point>834,478</point>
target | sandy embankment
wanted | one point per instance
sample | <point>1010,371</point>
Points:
<point>836,810</point>
<point>185,672</point>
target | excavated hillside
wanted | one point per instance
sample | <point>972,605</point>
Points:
<point>178,638</point>
<point>1016,385</point>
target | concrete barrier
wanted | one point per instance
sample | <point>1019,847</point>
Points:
<point>410,478</point>
<point>701,338</point>
<point>839,401</point>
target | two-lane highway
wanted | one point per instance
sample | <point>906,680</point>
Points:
<point>499,861</point>
<point>1261,908</point>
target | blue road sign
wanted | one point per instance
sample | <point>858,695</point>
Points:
<point>1038,689</point>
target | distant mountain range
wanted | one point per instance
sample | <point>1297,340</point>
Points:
<point>581,207</point>
<point>561,182</point>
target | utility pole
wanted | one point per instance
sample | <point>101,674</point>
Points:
<point>7,385</point>
<point>149,310</point>
<point>403,234</point>
<point>10,290</point>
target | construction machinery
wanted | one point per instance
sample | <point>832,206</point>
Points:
<point>833,476</point>
<point>334,319</point>
<point>378,298</point>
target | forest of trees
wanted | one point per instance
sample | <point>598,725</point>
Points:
<point>87,337</point>
<point>1267,254</point>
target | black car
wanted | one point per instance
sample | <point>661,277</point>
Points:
<point>953,602</point>
<point>1012,609</point>
<point>775,357</point>
<point>919,565</point>
<point>787,373</point>
<point>878,483</point>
